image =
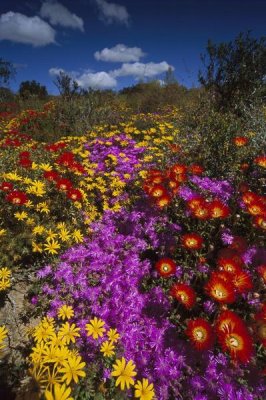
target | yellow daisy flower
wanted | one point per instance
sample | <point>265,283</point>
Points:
<point>144,390</point>
<point>124,373</point>
<point>65,312</point>
<point>72,369</point>
<point>107,348</point>
<point>95,328</point>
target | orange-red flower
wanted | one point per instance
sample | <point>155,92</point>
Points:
<point>63,184</point>
<point>74,194</point>
<point>179,169</point>
<point>163,201</point>
<point>166,267</point>
<point>260,222</point>
<point>249,197</point>
<point>228,319</point>
<point>196,169</point>
<point>257,208</point>
<point>237,341</point>
<point>184,294</point>
<point>51,175</point>
<point>242,281</point>
<point>192,241</point>
<point>200,333</point>
<point>17,197</point>
<point>220,289</point>
<point>217,209</point>
<point>195,203</point>
<point>157,191</point>
<point>261,161</point>
<point>229,264</point>
<point>6,186</point>
<point>240,141</point>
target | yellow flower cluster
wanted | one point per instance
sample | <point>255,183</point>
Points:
<point>124,372</point>
<point>5,275</point>
<point>55,364</point>
<point>3,335</point>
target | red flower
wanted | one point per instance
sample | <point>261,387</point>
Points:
<point>240,141</point>
<point>166,267</point>
<point>260,222</point>
<point>217,209</point>
<point>228,319</point>
<point>249,197</point>
<point>237,341</point>
<point>242,282</point>
<point>196,169</point>
<point>51,175</point>
<point>200,332</point>
<point>17,197</point>
<point>195,203</point>
<point>229,264</point>
<point>220,289</point>
<point>184,294</point>
<point>63,184</point>
<point>257,208</point>
<point>158,191</point>
<point>74,194</point>
<point>261,161</point>
<point>25,162</point>
<point>6,186</point>
<point>179,169</point>
<point>66,159</point>
<point>163,201</point>
<point>192,241</point>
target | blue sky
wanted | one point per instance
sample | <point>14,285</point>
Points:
<point>112,44</point>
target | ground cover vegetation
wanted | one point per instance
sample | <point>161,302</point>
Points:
<point>132,236</point>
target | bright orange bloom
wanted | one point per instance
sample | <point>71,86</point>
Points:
<point>217,209</point>
<point>200,333</point>
<point>179,169</point>
<point>163,201</point>
<point>257,208</point>
<point>184,294</point>
<point>192,241</point>
<point>261,161</point>
<point>157,191</point>
<point>195,203</point>
<point>196,169</point>
<point>260,222</point>
<point>237,341</point>
<point>242,282</point>
<point>166,267</point>
<point>229,264</point>
<point>240,141</point>
<point>220,289</point>
<point>228,319</point>
<point>249,197</point>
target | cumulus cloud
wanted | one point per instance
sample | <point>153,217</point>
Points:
<point>19,28</point>
<point>119,53</point>
<point>141,70</point>
<point>57,14</point>
<point>88,79</point>
<point>112,12</point>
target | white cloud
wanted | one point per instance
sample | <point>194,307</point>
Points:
<point>19,28</point>
<point>141,70</point>
<point>55,71</point>
<point>112,12</point>
<point>119,53</point>
<point>57,14</point>
<point>96,80</point>
<point>88,79</point>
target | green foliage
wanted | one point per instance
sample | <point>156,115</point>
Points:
<point>235,72</point>
<point>7,71</point>
<point>66,85</point>
<point>30,89</point>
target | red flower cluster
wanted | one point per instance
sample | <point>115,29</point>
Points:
<point>203,210</point>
